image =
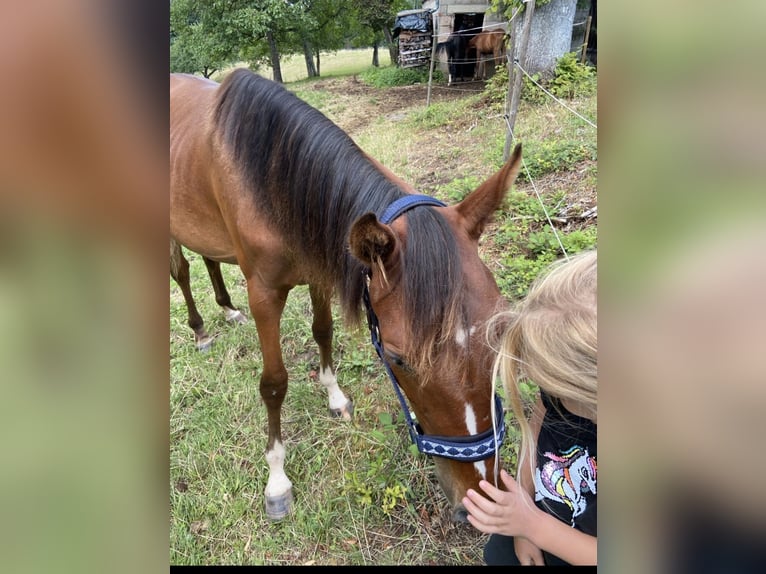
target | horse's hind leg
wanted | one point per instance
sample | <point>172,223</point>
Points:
<point>179,271</point>
<point>322,330</point>
<point>231,313</point>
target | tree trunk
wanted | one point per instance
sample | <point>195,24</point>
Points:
<point>274,55</point>
<point>308,54</point>
<point>375,61</point>
<point>319,68</point>
<point>393,49</point>
<point>550,36</point>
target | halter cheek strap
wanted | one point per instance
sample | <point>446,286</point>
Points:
<point>461,448</point>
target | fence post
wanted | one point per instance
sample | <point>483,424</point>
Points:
<point>585,41</point>
<point>434,38</point>
<point>514,78</point>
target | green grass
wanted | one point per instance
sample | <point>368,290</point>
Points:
<point>352,481</point>
<point>340,63</point>
<point>361,496</point>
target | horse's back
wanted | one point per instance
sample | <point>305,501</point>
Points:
<point>488,41</point>
<point>195,215</point>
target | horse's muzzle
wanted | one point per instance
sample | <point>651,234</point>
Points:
<point>460,514</point>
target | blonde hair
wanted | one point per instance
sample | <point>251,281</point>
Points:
<point>550,339</point>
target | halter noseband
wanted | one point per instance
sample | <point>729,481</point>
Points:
<point>462,448</point>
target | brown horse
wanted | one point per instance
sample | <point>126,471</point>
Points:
<point>488,43</point>
<point>261,179</point>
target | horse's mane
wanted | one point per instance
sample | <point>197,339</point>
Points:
<point>313,181</point>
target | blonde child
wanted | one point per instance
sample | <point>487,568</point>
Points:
<point>547,515</point>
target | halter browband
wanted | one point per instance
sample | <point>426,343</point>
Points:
<point>462,448</point>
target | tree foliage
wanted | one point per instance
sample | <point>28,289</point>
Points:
<point>208,35</point>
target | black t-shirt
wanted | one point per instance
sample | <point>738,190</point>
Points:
<point>565,476</point>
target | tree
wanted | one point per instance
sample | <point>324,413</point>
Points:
<point>551,33</point>
<point>378,16</point>
<point>326,25</point>
<point>207,35</point>
<point>194,46</point>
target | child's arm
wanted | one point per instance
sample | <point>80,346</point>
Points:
<point>560,539</point>
<point>526,551</point>
<point>513,513</point>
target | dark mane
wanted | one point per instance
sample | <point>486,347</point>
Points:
<point>313,180</point>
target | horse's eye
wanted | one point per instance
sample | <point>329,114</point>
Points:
<point>398,361</point>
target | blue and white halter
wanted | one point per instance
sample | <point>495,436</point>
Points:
<point>462,448</point>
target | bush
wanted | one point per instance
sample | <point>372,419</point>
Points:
<point>553,155</point>
<point>568,80</point>
<point>571,78</point>
<point>395,76</point>
<point>528,243</point>
<point>497,86</point>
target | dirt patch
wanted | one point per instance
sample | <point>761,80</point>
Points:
<point>364,104</point>
<point>452,151</point>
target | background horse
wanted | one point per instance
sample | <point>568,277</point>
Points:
<point>460,59</point>
<point>488,43</point>
<point>261,179</point>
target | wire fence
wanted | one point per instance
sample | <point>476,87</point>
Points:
<point>524,163</point>
<point>440,39</point>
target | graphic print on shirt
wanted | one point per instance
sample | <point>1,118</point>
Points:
<point>566,478</point>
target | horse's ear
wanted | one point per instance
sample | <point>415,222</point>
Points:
<point>370,240</point>
<point>478,207</point>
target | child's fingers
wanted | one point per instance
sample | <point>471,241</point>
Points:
<point>508,480</point>
<point>474,500</point>
<point>493,492</point>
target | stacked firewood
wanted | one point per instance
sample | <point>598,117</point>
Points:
<point>414,48</point>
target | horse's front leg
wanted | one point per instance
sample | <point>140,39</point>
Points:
<point>322,329</point>
<point>266,306</point>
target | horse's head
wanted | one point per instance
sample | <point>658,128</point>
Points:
<point>429,298</point>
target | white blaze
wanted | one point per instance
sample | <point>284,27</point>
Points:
<point>461,337</point>
<point>470,424</point>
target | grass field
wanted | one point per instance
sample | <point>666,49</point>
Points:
<point>340,63</point>
<point>361,496</point>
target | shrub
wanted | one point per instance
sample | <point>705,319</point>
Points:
<point>395,76</point>
<point>571,78</point>
<point>552,155</point>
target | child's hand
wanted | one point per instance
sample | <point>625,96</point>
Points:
<point>508,513</point>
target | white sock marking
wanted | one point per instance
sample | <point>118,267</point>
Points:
<point>336,397</point>
<point>278,483</point>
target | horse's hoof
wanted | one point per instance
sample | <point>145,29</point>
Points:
<point>346,412</point>
<point>234,316</point>
<point>277,507</point>
<point>204,345</point>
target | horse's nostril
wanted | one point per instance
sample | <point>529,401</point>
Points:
<point>460,515</point>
